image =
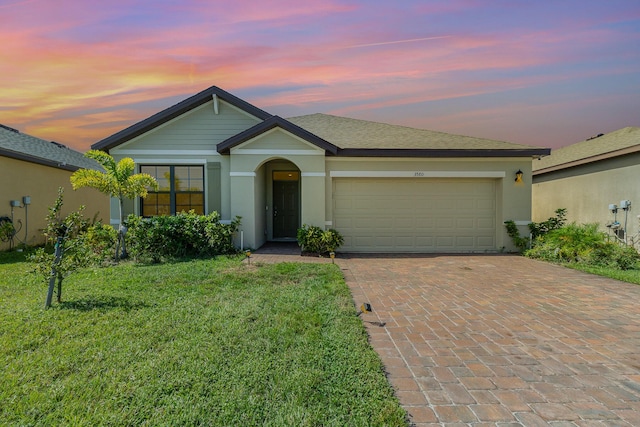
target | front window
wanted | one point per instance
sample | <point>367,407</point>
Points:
<point>180,189</point>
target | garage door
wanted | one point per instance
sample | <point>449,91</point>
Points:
<point>415,215</point>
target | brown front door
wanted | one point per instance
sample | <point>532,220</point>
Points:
<point>286,204</point>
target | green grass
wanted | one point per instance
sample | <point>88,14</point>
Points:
<point>630,276</point>
<point>203,342</point>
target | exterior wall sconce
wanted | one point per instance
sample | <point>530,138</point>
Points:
<point>519,176</point>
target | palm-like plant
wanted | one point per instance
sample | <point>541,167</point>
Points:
<point>118,180</point>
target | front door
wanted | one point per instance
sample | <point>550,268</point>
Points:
<point>286,204</point>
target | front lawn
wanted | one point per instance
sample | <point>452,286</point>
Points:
<point>202,342</point>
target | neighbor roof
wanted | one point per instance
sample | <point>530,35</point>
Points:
<point>619,142</point>
<point>21,146</point>
<point>362,137</point>
<point>175,111</point>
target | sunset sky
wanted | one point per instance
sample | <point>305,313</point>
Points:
<point>547,73</point>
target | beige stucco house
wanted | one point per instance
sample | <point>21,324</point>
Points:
<point>386,188</point>
<point>587,177</point>
<point>31,171</point>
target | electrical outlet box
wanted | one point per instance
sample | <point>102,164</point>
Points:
<point>612,207</point>
<point>15,203</point>
<point>26,200</point>
<point>625,204</point>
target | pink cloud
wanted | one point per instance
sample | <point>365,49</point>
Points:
<point>62,61</point>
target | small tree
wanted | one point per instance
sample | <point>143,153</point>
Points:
<point>117,181</point>
<point>64,233</point>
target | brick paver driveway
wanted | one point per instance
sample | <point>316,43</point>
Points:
<point>501,340</point>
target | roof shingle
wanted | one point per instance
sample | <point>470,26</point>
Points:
<point>19,145</point>
<point>350,133</point>
<point>591,149</point>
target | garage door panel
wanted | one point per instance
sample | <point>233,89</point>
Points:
<point>343,223</point>
<point>486,241</point>
<point>384,241</point>
<point>466,204</point>
<point>465,241</point>
<point>444,223</point>
<point>365,224</point>
<point>383,224</point>
<point>415,215</point>
<point>403,203</point>
<point>444,242</point>
<point>427,223</point>
<point>485,204</point>
<point>486,223</point>
<point>343,204</point>
<point>465,223</point>
<point>424,241</point>
<point>403,223</point>
<point>405,241</point>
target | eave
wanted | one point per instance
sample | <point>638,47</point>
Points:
<point>457,153</point>
<point>38,160</point>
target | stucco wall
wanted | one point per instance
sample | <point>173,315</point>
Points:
<point>587,191</point>
<point>20,178</point>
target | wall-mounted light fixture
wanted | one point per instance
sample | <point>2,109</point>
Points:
<point>519,176</point>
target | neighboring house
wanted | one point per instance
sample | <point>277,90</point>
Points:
<point>31,171</point>
<point>587,177</point>
<point>386,188</point>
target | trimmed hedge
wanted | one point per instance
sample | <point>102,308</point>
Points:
<point>183,235</point>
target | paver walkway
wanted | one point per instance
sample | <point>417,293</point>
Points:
<point>500,340</point>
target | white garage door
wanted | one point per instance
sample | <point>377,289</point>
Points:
<point>415,215</point>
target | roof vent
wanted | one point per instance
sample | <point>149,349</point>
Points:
<point>596,136</point>
<point>8,128</point>
<point>58,144</point>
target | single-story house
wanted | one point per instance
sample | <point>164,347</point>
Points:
<point>589,176</point>
<point>31,171</point>
<point>385,188</point>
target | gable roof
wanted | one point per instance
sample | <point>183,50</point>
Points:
<point>271,123</point>
<point>613,144</point>
<point>364,138</point>
<point>336,135</point>
<point>175,111</point>
<point>21,146</point>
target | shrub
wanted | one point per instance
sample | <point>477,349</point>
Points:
<point>313,239</point>
<point>100,240</point>
<point>183,235</point>
<point>583,244</point>
<point>553,223</point>
<point>536,229</point>
<point>6,229</point>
